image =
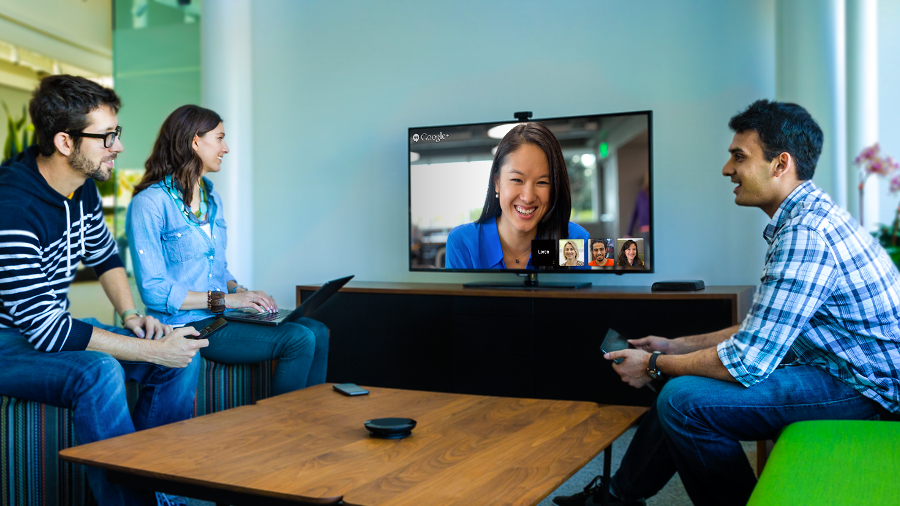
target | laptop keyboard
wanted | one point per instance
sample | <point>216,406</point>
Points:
<point>265,317</point>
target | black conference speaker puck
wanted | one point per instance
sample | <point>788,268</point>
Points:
<point>390,428</point>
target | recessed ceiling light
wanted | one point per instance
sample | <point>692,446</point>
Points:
<point>500,131</point>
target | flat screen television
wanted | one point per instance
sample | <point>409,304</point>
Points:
<point>476,192</point>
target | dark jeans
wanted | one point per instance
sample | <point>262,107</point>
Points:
<point>696,425</point>
<point>301,349</point>
<point>92,385</point>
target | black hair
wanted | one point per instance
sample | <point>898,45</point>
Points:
<point>555,223</point>
<point>61,103</point>
<point>783,127</point>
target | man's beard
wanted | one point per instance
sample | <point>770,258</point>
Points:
<point>81,163</point>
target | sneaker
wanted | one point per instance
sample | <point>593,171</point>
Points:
<point>592,495</point>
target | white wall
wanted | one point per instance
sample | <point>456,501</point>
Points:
<point>888,98</point>
<point>338,83</point>
<point>810,70</point>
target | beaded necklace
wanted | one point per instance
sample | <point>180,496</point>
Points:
<point>189,216</point>
<point>203,207</point>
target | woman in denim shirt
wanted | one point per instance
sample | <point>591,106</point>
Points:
<point>177,241</point>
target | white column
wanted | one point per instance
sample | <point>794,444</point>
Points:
<point>227,87</point>
<point>810,72</point>
<point>862,97</point>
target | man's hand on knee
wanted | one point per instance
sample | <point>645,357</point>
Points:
<point>633,369</point>
<point>146,327</point>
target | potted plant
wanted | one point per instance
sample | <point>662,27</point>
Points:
<point>20,133</point>
<point>871,162</point>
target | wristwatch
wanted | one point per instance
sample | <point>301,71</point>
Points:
<point>651,368</point>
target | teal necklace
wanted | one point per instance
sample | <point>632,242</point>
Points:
<point>203,205</point>
<point>190,216</point>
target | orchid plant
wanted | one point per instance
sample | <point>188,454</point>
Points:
<point>871,162</point>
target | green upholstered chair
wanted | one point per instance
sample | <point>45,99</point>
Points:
<point>31,435</point>
<point>827,462</point>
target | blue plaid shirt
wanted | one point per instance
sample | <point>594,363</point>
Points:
<point>830,292</point>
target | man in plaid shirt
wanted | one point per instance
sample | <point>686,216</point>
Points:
<point>829,293</point>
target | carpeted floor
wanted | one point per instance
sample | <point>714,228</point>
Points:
<point>672,495</point>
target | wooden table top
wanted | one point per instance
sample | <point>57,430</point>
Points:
<point>308,444</point>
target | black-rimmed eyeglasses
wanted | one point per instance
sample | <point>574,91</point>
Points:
<point>109,138</point>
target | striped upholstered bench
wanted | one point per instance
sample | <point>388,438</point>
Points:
<point>31,435</point>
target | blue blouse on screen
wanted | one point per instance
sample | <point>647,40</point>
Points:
<point>477,246</point>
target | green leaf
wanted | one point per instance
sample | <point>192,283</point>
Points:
<point>7,148</point>
<point>20,133</point>
<point>21,122</point>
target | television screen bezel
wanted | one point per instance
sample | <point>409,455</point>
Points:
<point>528,271</point>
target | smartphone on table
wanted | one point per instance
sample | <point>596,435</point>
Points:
<point>350,389</point>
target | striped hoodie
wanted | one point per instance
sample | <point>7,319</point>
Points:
<point>43,237</point>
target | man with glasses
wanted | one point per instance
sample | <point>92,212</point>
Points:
<point>50,220</point>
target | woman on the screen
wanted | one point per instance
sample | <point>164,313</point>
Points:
<point>628,256</point>
<point>570,252</point>
<point>528,198</point>
<point>177,240</point>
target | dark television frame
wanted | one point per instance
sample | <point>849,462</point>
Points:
<point>531,274</point>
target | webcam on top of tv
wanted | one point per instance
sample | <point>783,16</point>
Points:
<point>523,115</point>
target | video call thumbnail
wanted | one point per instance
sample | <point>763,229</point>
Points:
<point>602,252</point>
<point>631,252</point>
<point>571,252</point>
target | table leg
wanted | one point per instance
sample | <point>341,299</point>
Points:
<point>607,463</point>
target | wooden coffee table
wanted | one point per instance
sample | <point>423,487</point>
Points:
<point>310,447</point>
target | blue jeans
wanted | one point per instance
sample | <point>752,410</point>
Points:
<point>92,385</point>
<point>696,425</point>
<point>301,349</point>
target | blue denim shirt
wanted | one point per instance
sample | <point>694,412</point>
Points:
<point>172,256</point>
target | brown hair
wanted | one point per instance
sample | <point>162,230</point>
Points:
<point>61,103</point>
<point>173,154</point>
<point>623,260</point>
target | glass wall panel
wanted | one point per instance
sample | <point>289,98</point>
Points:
<point>156,68</point>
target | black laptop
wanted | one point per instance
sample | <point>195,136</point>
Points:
<point>307,308</point>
